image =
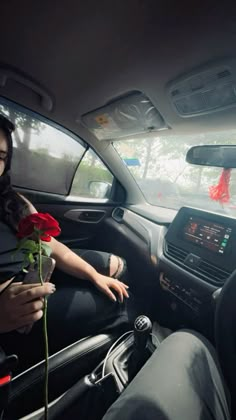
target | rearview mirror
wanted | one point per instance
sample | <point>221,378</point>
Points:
<point>219,156</point>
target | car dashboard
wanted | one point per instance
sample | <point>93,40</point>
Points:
<point>197,259</point>
<point>193,256</point>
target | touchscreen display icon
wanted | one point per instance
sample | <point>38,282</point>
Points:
<point>213,236</point>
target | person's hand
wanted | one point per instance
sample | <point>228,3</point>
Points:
<point>107,284</point>
<point>22,304</point>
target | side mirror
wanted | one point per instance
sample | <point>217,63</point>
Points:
<point>99,189</point>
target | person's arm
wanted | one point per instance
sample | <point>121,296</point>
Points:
<point>31,208</point>
<point>70,263</point>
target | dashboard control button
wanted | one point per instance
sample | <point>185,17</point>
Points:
<point>192,260</point>
<point>186,295</point>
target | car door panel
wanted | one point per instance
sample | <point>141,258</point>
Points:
<point>79,222</point>
<point>96,226</point>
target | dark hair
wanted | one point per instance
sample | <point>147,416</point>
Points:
<point>7,127</point>
<point>12,205</point>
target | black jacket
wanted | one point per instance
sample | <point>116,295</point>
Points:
<point>11,260</point>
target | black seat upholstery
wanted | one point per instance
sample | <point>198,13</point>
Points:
<point>65,368</point>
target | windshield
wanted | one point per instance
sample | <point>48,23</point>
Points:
<point>158,165</point>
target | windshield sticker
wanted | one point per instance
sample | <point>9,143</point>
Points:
<point>102,119</point>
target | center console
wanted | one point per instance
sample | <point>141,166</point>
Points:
<point>202,243</point>
<point>129,354</point>
<point>91,396</point>
<point>197,258</point>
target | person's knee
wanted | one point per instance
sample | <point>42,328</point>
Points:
<point>186,343</point>
<point>117,266</point>
<point>189,342</point>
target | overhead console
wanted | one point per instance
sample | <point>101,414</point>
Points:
<point>205,90</point>
<point>202,243</point>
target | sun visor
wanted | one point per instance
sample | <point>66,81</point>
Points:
<point>126,116</point>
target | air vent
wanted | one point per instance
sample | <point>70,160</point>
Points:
<point>118,214</point>
<point>211,271</point>
<point>204,270</point>
<point>176,253</point>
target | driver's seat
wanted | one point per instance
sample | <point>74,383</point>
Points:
<point>65,368</point>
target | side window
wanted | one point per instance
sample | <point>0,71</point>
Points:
<point>44,158</point>
<point>92,178</point>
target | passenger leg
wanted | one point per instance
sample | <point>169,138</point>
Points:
<point>105,263</point>
<point>181,381</point>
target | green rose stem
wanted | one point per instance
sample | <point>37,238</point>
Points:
<point>45,335</point>
<point>32,230</point>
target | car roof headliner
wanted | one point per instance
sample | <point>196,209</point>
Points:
<point>87,53</point>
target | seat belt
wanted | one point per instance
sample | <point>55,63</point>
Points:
<point>7,364</point>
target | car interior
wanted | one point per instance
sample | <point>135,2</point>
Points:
<point>117,106</point>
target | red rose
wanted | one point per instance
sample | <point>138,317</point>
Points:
<point>43,222</point>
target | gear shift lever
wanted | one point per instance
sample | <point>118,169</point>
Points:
<point>127,358</point>
<point>142,330</point>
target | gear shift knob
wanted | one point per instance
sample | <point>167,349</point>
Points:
<point>142,330</point>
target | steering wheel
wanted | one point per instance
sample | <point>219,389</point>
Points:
<point>225,332</point>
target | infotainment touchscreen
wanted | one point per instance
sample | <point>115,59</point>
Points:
<point>206,234</point>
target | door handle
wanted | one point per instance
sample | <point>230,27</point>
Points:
<point>85,216</point>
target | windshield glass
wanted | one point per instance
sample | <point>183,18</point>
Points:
<point>158,165</point>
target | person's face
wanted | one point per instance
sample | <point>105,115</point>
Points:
<point>3,152</point>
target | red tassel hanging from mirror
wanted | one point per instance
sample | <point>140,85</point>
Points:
<point>220,192</point>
